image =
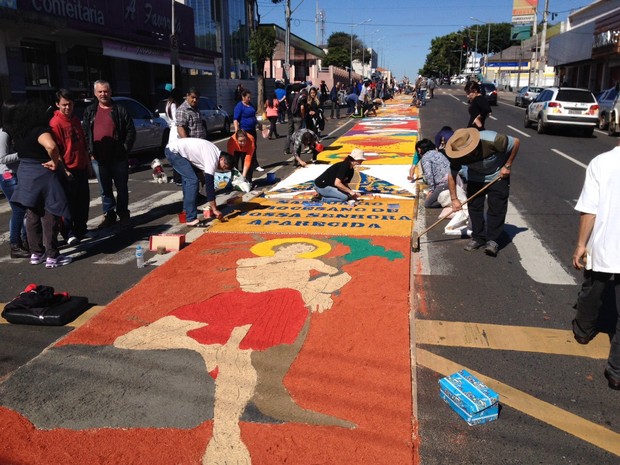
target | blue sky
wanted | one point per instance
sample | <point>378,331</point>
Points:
<point>400,30</point>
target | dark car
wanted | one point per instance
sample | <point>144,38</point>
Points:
<point>490,91</point>
<point>526,95</point>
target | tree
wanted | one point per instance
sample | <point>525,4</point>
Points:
<point>339,50</point>
<point>262,44</point>
<point>447,55</point>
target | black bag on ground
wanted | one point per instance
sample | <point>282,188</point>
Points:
<point>40,305</point>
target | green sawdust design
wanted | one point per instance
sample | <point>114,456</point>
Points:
<point>362,248</point>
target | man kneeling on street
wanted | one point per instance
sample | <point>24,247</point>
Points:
<point>487,155</point>
<point>197,160</point>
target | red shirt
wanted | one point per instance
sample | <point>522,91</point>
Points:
<point>69,136</point>
<point>103,134</point>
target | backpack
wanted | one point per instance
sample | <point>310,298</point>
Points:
<point>297,101</point>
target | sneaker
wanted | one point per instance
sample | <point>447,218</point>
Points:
<point>73,240</point>
<point>491,248</point>
<point>260,169</point>
<point>108,220</point>
<point>193,222</point>
<point>61,260</point>
<point>17,251</point>
<point>37,258</point>
<point>473,244</point>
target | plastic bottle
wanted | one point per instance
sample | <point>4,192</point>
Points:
<point>139,257</point>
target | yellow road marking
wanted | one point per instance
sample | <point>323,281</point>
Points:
<point>499,337</point>
<point>586,430</point>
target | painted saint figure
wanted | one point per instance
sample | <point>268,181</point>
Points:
<point>249,337</point>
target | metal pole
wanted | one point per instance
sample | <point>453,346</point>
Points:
<point>287,44</point>
<point>543,43</point>
<point>351,59</point>
<point>486,61</point>
<point>173,67</point>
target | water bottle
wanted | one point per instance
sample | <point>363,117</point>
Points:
<point>139,257</point>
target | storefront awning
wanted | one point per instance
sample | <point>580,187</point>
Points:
<point>151,55</point>
<point>572,46</point>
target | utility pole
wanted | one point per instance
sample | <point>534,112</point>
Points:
<point>287,44</point>
<point>535,54</point>
<point>543,42</point>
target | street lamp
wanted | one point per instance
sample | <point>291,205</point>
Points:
<point>364,49</point>
<point>351,58</point>
<point>486,59</point>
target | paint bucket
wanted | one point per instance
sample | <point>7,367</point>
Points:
<point>271,178</point>
<point>207,213</point>
<point>182,217</point>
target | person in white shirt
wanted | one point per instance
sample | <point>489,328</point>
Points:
<point>598,244</point>
<point>184,155</point>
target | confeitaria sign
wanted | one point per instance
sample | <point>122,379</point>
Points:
<point>606,38</point>
<point>122,15</point>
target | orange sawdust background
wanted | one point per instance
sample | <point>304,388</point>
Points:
<point>355,365</point>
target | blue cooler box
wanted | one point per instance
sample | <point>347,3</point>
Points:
<point>469,397</point>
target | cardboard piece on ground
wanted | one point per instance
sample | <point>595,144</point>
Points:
<point>469,397</point>
<point>171,242</point>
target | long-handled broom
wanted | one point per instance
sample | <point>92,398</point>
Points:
<point>416,236</point>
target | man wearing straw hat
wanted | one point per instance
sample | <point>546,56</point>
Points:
<point>488,156</point>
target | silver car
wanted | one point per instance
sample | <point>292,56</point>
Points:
<point>563,107</point>
<point>151,130</point>
<point>214,117</point>
<point>526,95</point>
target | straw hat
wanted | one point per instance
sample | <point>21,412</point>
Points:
<point>463,142</point>
<point>358,155</point>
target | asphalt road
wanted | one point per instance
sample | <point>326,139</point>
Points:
<point>503,308</point>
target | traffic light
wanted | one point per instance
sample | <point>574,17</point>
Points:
<point>465,44</point>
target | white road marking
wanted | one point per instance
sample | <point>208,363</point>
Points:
<point>517,130</point>
<point>538,263</point>
<point>576,162</point>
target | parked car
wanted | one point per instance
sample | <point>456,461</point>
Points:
<point>609,110</point>
<point>214,117</point>
<point>526,95</point>
<point>490,91</point>
<point>563,107</point>
<point>151,130</point>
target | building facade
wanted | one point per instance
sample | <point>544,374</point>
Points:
<point>587,52</point>
<point>49,44</point>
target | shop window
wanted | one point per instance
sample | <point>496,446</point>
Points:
<point>39,61</point>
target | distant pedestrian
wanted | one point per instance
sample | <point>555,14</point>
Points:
<point>188,117</point>
<point>238,93</point>
<point>487,155</point>
<point>244,117</point>
<point>271,110</point>
<point>110,135</point>
<point>314,113</point>
<point>296,104</point>
<point>598,253</point>
<point>71,140</point>
<point>479,108</point>
<point>9,162</point>
<point>281,96</point>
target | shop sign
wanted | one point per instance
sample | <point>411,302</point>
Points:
<point>604,39</point>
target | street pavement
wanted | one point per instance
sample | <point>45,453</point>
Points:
<point>505,319</point>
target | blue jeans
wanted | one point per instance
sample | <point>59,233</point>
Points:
<point>189,182</point>
<point>16,223</point>
<point>109,175</point>
<point>331,194</point>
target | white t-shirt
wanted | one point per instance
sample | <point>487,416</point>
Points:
<point>171,108</point>
<point>201,153</point>
<point>601,196</point>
